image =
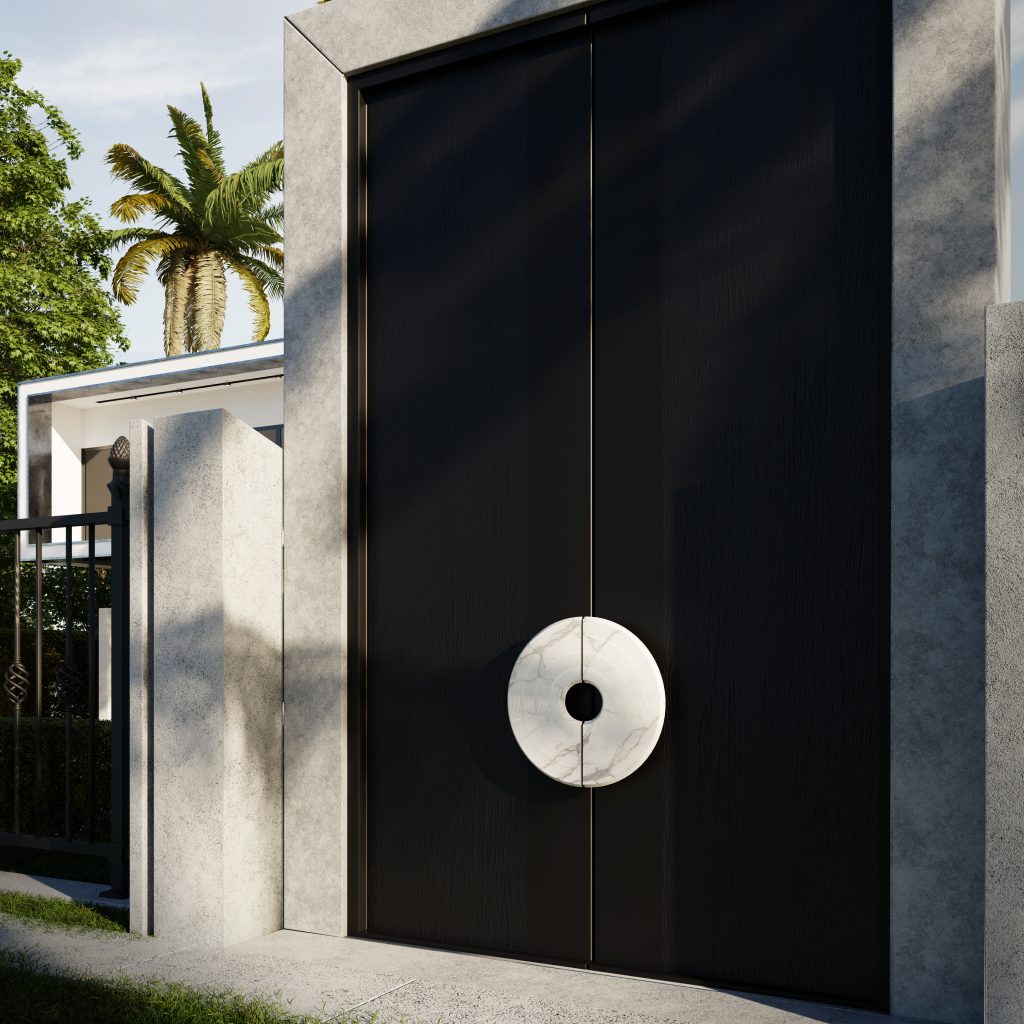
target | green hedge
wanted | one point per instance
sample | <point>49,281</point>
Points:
<point>53,658</point>
<point>79,867</point>
<point>52,803</point>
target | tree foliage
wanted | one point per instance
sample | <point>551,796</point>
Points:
<point>55,314</point>
<point>209,222</point>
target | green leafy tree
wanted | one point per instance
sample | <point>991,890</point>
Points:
<point>209,223</point>
<point>55,314</point>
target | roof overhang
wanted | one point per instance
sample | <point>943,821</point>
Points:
<point>160,376</point>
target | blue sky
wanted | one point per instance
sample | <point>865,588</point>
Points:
<point>113,66</point>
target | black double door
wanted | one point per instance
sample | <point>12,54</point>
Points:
<point>625,353</point>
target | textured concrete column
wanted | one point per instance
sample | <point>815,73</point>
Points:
<point>316,482</point>
<point>104,665</point>
<point>216,652</point>
<point>950,252</point>
<point>140,679</point>
<point>1004,636</point>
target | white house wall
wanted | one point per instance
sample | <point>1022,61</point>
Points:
<point>258,404</point>
<point>77,426</point>
<point>66,461</point>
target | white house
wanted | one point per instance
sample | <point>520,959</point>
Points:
<point>67,424</point>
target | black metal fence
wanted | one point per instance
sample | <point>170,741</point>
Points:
<point>86,811</point>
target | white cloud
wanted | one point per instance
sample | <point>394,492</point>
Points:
<point>117,76</point>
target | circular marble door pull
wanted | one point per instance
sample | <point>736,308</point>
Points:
<point>586,701</point>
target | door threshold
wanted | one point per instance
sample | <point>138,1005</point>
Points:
<point>606,971</point>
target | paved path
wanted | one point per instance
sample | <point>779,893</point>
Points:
<point>331,975</point>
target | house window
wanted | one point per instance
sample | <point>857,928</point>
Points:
<point>96,474</point>
<point>275,433</point>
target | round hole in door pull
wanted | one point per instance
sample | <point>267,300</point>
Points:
<point>548,691</point>
<point>583,701</point>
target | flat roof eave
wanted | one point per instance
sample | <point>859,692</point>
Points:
<point>190,366</point>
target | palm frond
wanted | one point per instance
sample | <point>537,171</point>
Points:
<point>274,216</point>
<point>268,253</point>
<point>207,161</point>
<point>257,297</point>
<point>192,147</point>
<point>135,263</point>
<point>271,278</point>
<point>212,135</point>
<point>120,236</point>
<point>248,231</point>
<point>250,187</point>
<point>128,209</point>
<point>275,152</point>
<point>129,165</point>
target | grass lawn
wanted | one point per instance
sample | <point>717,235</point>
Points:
<point>49,910</point>
<point>32,994</point>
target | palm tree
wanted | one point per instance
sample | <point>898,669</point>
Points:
<point>210,223</point>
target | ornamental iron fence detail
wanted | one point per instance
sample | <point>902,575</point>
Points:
<point>93,812</point>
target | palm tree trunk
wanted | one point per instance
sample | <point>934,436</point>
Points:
<point>208,302</point>
<point>177,288</point>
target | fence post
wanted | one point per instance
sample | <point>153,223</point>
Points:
<point>119,539</point>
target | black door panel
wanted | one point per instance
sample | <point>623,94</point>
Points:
<point>477,486</point>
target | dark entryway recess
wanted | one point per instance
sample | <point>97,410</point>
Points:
<point>623,310</point>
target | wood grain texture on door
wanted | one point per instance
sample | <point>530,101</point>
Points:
<point>477,492</point>
<point>741,367</point>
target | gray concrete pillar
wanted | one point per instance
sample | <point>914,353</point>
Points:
<point>104,696</point>
<point>140,678</point>
<point>216,680</point>
<point>950,205</point>
<point>316,797</point>
<point>1004,658</point>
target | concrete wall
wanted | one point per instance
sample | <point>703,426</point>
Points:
<point>1004,492</point>
<point>215,742</point>
<point>140,678</point>
<point>950,203</point>
<point>315,406</point>
<point>950,260</point>
<point>104,666</point>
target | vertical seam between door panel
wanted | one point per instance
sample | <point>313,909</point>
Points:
<point>590,455</point>
<point>363,552</point>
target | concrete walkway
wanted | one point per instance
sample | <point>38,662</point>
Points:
<point>331,975</point>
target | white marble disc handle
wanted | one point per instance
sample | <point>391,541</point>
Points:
<point>624,731</point>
